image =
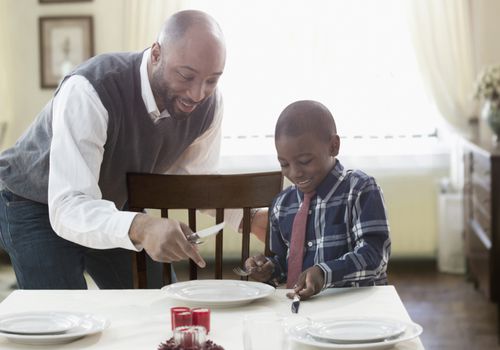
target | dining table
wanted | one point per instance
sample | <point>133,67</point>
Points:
<point>140,318</point>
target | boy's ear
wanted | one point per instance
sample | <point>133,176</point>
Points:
<point>334,145</point>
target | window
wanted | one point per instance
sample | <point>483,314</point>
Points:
<point>354,56</point>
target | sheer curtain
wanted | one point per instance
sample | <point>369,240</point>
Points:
<point>143,20</point>
<point>442,36</point>
<point>354,56</point>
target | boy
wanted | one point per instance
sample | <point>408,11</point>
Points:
<point>346,239</point>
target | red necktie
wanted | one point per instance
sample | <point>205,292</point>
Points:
<point>296,254</point>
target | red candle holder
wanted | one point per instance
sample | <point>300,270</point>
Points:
<point>180,316</point>
<point>201,317</point>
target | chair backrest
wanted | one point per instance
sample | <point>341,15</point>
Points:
<point>192,192</point>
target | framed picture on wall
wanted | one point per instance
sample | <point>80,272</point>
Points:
<point>65,42</point>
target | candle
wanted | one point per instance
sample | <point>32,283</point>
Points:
<point>180,316</point>
<point>201,317</point>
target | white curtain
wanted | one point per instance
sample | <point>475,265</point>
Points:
<point>6,76</point>
<point>442,37</point>
<point>143,21</point>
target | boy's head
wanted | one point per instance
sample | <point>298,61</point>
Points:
<point>307,143</point>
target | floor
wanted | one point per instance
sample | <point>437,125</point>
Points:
<point>454,315</point>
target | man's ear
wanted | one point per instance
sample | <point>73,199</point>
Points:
<point>334,145</point>
<point>155,53</point>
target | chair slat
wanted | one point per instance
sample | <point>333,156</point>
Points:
<point>219,241</point>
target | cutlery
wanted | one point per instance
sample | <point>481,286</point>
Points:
<point>296,304</point>
<point>195,237</point>
<point>243,272</point>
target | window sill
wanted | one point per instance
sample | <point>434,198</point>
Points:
<point>257,154</point>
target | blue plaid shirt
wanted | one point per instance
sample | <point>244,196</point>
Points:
<point>347,232</point>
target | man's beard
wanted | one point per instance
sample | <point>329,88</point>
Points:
<point>163,93</point>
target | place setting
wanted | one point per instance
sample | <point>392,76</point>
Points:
<point>353,333</point>
<point>218,293</point>
<point>215,292</point>
<point>49,327</point>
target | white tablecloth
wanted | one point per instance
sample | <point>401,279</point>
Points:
<point>140,319</point>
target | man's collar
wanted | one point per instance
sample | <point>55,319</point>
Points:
<point>147,93</point>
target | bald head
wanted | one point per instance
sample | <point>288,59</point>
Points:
<point>186,62</point>
<point>306,116</point>
<point>177,25</point>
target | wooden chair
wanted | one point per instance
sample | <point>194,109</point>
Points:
<point>192,192</point>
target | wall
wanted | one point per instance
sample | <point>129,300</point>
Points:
<point>486,31</point>
<point>24,77</point>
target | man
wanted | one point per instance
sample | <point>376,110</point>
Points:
<point>155,111</point>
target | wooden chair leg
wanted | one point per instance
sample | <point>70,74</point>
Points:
<point>139,270</point>
<point>167,274</point>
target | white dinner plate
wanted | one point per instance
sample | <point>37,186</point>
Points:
<point>86,324</point>
<point>218,293</point>
<point>300,333</point>
<point>43,322</point>
<point>351,331</point>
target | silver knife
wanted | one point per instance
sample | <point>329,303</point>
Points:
<point>296,304</point>
<point>212,230</point>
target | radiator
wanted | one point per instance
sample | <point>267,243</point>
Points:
<point>450,255</point>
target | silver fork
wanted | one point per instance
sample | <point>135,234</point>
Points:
<point>243,272</point>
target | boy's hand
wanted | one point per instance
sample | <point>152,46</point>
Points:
<point>261,267</point>
<point>310,283</point>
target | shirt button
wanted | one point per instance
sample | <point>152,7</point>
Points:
<point>309,244</point>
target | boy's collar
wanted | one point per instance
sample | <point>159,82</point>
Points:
<point>329,181</point>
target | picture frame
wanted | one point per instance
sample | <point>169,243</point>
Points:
<point>65,42</point>
<point>60,1</point>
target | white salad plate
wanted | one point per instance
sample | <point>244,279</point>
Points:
<point>218,293</point>
<point>26,327</point>
<point>50,322</point>
<point>356,331</point>
<point>353,336</point>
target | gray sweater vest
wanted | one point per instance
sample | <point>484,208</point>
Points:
<point>134,142</point>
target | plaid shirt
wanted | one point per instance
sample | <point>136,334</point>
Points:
<point>347,232</point>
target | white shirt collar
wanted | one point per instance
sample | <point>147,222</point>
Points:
<point>147,93</point>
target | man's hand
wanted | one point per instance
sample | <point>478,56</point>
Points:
<point>164,239</point>
<point>310,283</point>
<point>262,268</point>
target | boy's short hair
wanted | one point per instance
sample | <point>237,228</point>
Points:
<point>306,116</point>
